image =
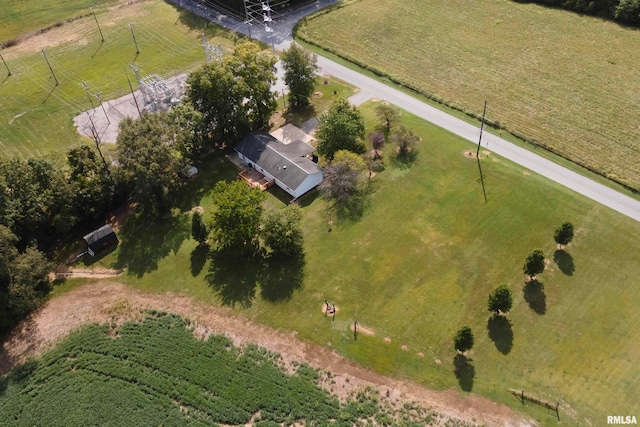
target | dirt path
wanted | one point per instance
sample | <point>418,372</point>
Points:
<point>102,301</point>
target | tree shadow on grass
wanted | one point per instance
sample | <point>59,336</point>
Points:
<point>500,332</point>
<point>234,275</point>
<point>144,241</point>
<point>405,160</point>
<point>464,370</point>
<point>535,297</point>
<point>213,168</point>
<point>199,259</point>
<point>564,260</point>
<point>282,275</point>
<point>353,209</point>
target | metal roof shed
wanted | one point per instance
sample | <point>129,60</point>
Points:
<point>101,240</point>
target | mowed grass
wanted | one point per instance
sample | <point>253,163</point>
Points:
<point>420,263</point>
<point>567,81</point>
<point>18,18</point>
<point>37,116</point>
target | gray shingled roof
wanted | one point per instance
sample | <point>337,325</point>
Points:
<point>286,162</point>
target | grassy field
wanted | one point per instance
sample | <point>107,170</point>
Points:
<point>37,115</point>
<point>563,80</point>
<point>420,262</point>
<point>20,18</point>
<point>157,373</point>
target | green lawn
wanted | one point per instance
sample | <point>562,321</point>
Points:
<point>565,80</point>
<point>37,115</point>
<point>19,18</point>
<point>420,262</point>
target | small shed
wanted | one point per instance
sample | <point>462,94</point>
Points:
<point>101,240</point>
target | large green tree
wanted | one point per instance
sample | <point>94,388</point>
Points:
<point>24,280</point>
<point>340,128</point>
<point>255,71</point>
<point>215,93</point>
<point>150,161</point>
<point>534,264</point>
<point>34,198</point>
<point>236,220</point>
<point>282,230</point>
<point>92,187</point>
<point>192,135</point>
<point>234,96</point>
<point>300,70</point>
<point>500,300</point>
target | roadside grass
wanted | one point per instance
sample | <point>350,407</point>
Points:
<point>37,115</point>
<point>564,80</point>
<point>420,263</point>
<point>21,18</point>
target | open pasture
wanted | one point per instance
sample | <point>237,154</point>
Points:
<point>36,114</point>
<point>566,81</point>
<point>419,262</point>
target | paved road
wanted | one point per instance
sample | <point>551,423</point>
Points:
<point>281,38</point>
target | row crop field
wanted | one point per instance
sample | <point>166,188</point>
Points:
<point>158,373</point>
<point>560,80</point>
<point>37,114</point>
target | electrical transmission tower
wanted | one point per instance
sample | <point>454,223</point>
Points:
<point>210,51</point>
<point>156,93</point>
<point>258,12</point>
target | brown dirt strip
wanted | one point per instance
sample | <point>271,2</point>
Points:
<point>101,301</point>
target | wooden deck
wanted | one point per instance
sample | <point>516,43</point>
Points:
<point>255,179</point>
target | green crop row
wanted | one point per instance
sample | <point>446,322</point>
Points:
<point>157,372</point>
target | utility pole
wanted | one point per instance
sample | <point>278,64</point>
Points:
<point>96,139</point>
<point>132,93</point>
<point>134,39</point>
<point>478,152</point>
<point>51,69</point>
<point>97,95</point>
<point>86,89</point>
<point>5,64</point>
<point>99,29</point>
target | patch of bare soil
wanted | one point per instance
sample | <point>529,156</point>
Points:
<point>75,31</point>
<point>109,301</point>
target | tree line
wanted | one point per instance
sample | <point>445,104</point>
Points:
<point>623,11</point>
<point>42,201</point>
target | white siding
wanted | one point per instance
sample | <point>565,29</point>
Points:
<point>309,182</point>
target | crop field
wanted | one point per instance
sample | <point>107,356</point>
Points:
<point>36,114</point>
<point>419,263</point>
<point>565,81</point>
<point>158,373</point>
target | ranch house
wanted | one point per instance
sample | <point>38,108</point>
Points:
<point>287,165</point>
